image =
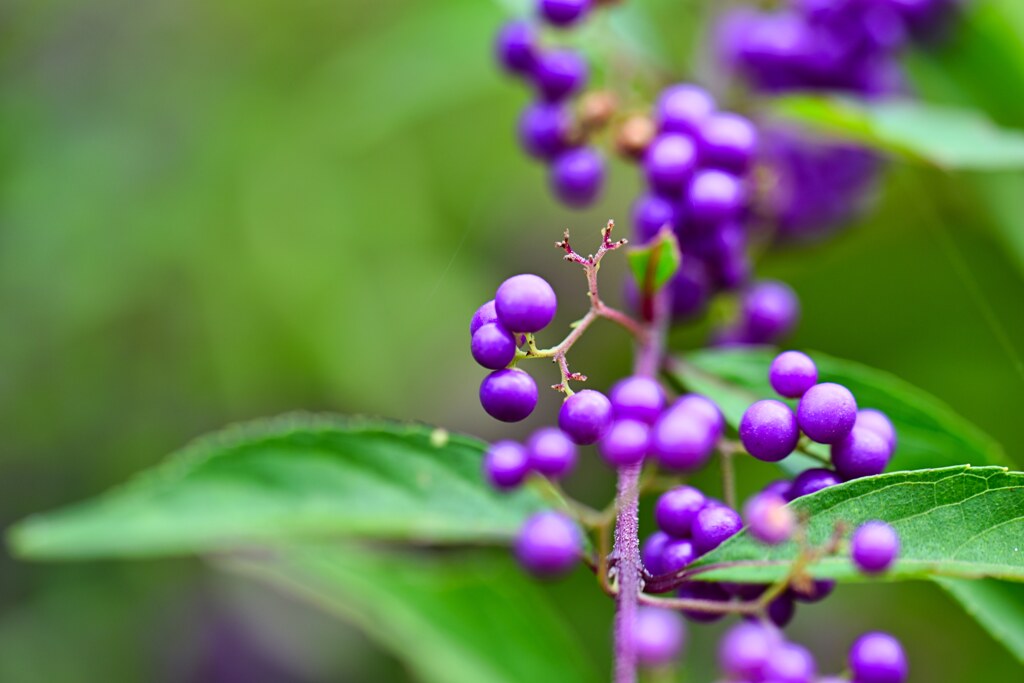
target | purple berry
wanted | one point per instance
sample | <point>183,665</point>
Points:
<point>650,214</point>
<point>525,303</point>
<point>493,346</point>
<point>781,610</point>
<point>874,547</point>
<point>577,176</point>
<point>508,395</point>
<point>703,590</point>
<point>876,421</point>
<point>563,12</point>
<point>651,552</point>
<point>676,508</point>
<point>516,47</point>
<point>768,430</point>
<point>818,590</point>
<point>683,109</point>
<point>544,130</point>
<point>690,289</point>
<point>744,650</point>
<point>714,197</point>
<point>811,481</point>
<point>792,373</point>
<point>713,525</point>
<point>827,412</point>
<point>506,464</point>
<point>485,314</point>
<point>559,74</point>
<point>676,555</point>
<point>779,487</point>
<point>682,440</point>
<point>551,452</point>
<point>768,518</point>
<point>702,408</point>
<point>549,544</point>
<point>669,162</point>
<point>727,141</point>
<point>637,398</point>
<point>770,311</point>
<point>790,663</point>
<point>585,416</point>
<point>861,453</point>
<point>625,443</point>
<point>659,635</point>
<point>878,658</point>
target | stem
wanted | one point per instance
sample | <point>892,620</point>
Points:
<point>728,479</point>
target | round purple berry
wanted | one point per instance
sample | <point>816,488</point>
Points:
<point>714,197</point>
<point>790,663</point>
<point>651,552</point>
<point>506,464</point>
<point>683,108</point>
<point>637,398</point>
<point>549,544</point>
<point>768,430</point>
<point>563,12</point>
<point>713,525</point>
<point>702,408</point>
<point>650,214</point>
<point>676,508</point>
<point>577,176</point>
<point>544,130</point>
<point>818,590</point>
<point>659,635</point>
<point>676,555</point>
<point>744,650</point>
<point>508,395</point>
<point>792,373</point>
<point>669,162</point>
<point>874,547</point>
<point>811,481</point>
<point>861,453</point>
<point>559,74</point>
<point>493,346</point>
<point>585,416</point>
<point>525,303</point>
<point>879,423</point>
<point>770,311</point>
<point>703,590</point>
<point>516,47</point>
<point>878,658</point>
<point>727,141</point>
<point>485,314</point>
<point>681,440</point>
<point>779,487</point>
<point>625,442</point>
<point>690,289</point>
<point>768,518</point>
<point>781,610</point>
<point>827,412</point>
<point>551,452</point>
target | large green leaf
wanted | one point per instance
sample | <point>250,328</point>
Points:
<point>952,521</point>
<point>286,479</point>
<point>997,605</point>
<point>461,619</point>
<point>946,137</point>
<point>930,433</point>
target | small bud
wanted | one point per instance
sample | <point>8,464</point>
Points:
<point>597,108</point>
<point>634,135</point>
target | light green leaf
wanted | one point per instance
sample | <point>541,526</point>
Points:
<point>457,619</point>
<point>947,137</point>
<point>930,433</point>
<point>953,521</point>
<point>286,479</point>
<point>996,605</point>
<point>654,264</point>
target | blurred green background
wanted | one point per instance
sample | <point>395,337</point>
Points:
<point>213,211</point>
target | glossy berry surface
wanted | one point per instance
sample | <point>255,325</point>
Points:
<point>625,442</point>
<point>506,464</point>
<point>769,431</point>
<point>827,412</point>
<point>669,163</point>
<point>516,47</point>
<point>683,108</point>
<point>525,303</point>
<point>770,311</point>
<point>703,409</point>
<point>682,441</point>
<point>551,452</point>
<point>563,12</point>
<point>792,373</point>
<point>577,176</point>
<point>676,508</point>
<point>549,544</point>
<point>485,314</point>
<point>727,141</point>
<point>659,635</point>
<point>559,74</point>
<point>874,547</point>
<point>508,395</point>
<point>493,346</point>
<point>790,663</point>
<point>650,214</point>
<point>676,555</point>
<point>713,525</point>
<point>768,519</point>
<point>879,423</point>
<point>744,650</point>
<point>861,453</point>
<point>585,416</point>
<point>714,197</point>
<point>811,481</point>
<point>878,658</point>
<point>544,130</point>
<point>637,398</point>
<point>651,552</point>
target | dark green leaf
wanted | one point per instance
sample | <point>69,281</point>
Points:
<point>461,619</point>
<point>953,521</point>
<point>996,605</point>
<point>655,263</point>
<point>284,479</point>
<point>930,434</point>
<point>944,136</point>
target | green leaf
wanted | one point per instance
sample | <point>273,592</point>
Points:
<point>947,137</point>
<point>996,605</point>
<point>459,619</point>
<point>655,263</point>
<point>930,433</point>
<point>286,479</point>
<point>953,521</point>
